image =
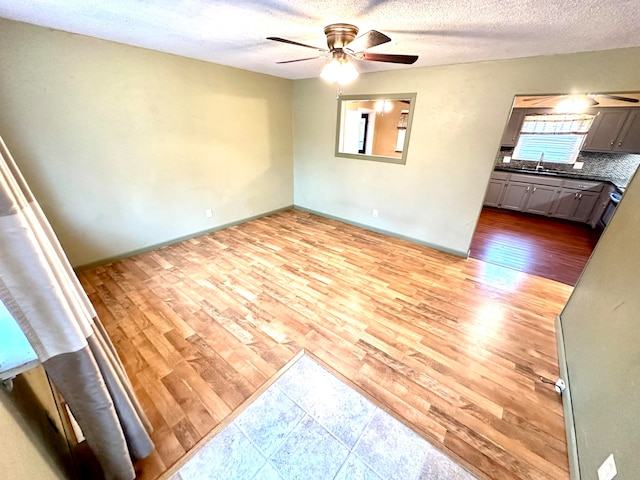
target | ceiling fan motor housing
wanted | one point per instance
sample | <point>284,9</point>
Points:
<point>339,35</point>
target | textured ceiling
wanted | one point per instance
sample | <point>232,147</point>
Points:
<point>233,32</point>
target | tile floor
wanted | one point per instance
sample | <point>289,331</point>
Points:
<point>310,425</point>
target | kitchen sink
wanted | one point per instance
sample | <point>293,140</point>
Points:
<point>539,172</point>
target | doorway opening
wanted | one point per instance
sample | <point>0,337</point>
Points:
<point>545,217</point>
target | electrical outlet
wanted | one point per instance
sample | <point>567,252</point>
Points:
<point>578,165</point>
<point>607,470</point>
<point>506,159</point>
<point>374,213</point>
<point>208,213</point>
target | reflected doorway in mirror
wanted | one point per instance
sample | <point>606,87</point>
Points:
<point>375,127</point>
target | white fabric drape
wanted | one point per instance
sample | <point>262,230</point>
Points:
<point>39,288</point>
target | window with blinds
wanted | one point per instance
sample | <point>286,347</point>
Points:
<point>552,138</point>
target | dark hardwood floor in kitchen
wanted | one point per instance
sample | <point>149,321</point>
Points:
<point>543,246</point>
<point>454,347</point>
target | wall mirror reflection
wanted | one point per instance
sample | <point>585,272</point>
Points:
<point>375,127</point>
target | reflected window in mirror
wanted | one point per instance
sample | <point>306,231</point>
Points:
<point>375,127</point>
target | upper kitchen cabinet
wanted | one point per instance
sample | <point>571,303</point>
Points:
<point>629,138</point>
<point>614,130</point>
<point>510,136</point>
<point>605,129</point>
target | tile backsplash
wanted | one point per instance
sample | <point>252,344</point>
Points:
<point>617,168</point>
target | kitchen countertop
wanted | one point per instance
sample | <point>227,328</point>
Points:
<point>562,174</point>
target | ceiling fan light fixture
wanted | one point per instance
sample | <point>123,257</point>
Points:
<point>383,106</point>
<point>572,104</point>
<point>344,46</point>
<point>339,70</point>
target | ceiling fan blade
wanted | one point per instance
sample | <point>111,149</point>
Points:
<point>616,97</point>
<point>387,57</point>
<point>371,39</point>
<point>301,59</point>
<point>540,101</point>
<point>291,42</point>
<point>555,100</point>
<point>541,98</point>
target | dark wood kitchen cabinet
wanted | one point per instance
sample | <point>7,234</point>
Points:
<point>511,132</point>
<point>614,130</point>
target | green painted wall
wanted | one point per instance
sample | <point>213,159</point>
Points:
<point>126,148</point>
<point>461,112</point>
<point>601,327</point>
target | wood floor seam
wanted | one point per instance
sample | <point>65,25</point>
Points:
<point>452,346</point>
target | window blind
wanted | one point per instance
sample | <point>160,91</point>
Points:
<point>552,138</point>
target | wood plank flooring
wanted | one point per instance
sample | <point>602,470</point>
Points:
<point>547,247</point>
<point>453,347</point>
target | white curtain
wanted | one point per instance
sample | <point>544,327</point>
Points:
<point>40,289</point>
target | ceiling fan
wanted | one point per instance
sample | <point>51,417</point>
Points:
<point>342,45</point>
<point>589,98</point>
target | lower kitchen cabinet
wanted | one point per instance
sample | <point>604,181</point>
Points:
<point>566,203</point>
<point>557,197</point>
<point>528,197</point>
<point>576,200</point>
<point>540,199</point>
<point>495,189</point>
<point>515,196</point>
<point>603,205</point>
<point>574,204</point>
<point>586,202</point>
<point>530,193</point>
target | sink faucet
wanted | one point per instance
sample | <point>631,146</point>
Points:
<point>539,165</point>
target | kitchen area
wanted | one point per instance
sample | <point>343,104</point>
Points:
<point>562,167</point>
<point>587,184</point>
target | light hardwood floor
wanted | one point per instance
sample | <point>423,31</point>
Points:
<point>453,347</point>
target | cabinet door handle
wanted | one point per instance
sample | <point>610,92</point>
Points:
<point>612,142</point>
<point>534,189</point>
<point>575,195</point>
<point>528,188</point>
<point>619,143</point>
<point>579,196</point>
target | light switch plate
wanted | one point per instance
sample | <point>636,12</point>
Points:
<point>506,159</point>
<point>578,165</point>
<point>607,470</point>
